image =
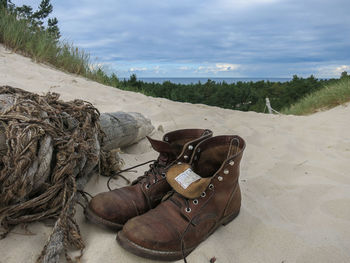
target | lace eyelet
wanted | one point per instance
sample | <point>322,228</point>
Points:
<point>203,194</point>
<point>195,201</point>
<point>147,186</point>
<point>211,186</point>
<point>163,175</point>
<point>188,210</point>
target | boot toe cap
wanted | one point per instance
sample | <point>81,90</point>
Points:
<point>149,231</point>
<point>109,207</point>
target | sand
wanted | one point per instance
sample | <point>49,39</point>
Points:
<point>295,176</point>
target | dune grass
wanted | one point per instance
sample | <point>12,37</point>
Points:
<point>325,98</point>
<point>38,44</point>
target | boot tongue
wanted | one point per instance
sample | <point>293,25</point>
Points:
<point>185,181</point>
<point>161,146</point>
<point>166,151</point>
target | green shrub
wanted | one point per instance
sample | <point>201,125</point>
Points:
<point>40,45</point>
<point>328,97</point>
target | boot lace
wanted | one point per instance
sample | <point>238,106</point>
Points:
<point>169,197</point>
<point>186,203</point>
<point>150,176</point>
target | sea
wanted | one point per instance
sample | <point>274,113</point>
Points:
<point>204,80</point>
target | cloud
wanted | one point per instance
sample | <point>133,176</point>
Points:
<point>218,67</point>
<point>240,4</point>
<point>342,68</point>
<point>96,43</point>
<point>332,71</point>
<point>138,69</point>
<point>226,67</point>
<point>153,70</point>
<point>269,37</point>
<point>156,69</point>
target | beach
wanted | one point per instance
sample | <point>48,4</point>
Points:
<point>294,179</point>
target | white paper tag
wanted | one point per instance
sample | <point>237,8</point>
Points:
<point>186,178</point>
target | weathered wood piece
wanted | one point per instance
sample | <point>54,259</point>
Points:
<point>121,128</point>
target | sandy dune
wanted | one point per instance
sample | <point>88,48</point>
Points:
<point>295,175</point>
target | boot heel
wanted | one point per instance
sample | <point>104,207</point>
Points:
<point>229,218</point>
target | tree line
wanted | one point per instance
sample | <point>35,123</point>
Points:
<point>244,96</point>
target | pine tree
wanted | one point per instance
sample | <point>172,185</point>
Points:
<point>37,18</point>
<point>24,12</point>
<point>344,75</point>
<point>52,28</point>
<point>3,4</point>
<point>45,8</point>
<point>6,4</point>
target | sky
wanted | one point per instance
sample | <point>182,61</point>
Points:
<point>209,38</point>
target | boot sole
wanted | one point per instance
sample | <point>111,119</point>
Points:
<point>164,255</point>
<point>92,217</point>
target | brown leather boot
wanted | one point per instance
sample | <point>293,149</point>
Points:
<point>206,195</point>
<point>114,208</point>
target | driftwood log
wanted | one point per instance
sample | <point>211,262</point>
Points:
<point>120,128</point>
<point>48,150</point>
